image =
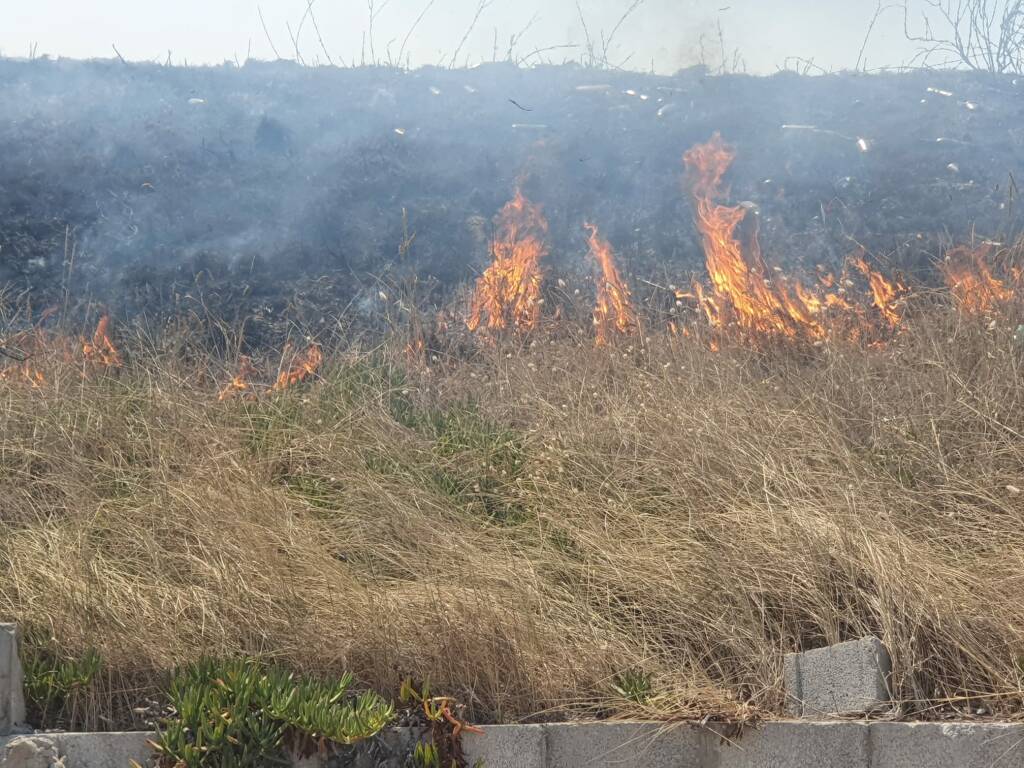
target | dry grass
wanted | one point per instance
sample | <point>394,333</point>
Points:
<point>530,529</point>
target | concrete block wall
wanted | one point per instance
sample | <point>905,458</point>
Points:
<point>857,744</point>
<point>852,744</point>
<point>851,675</point>
<point>12,701</point>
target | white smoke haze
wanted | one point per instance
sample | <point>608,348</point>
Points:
<point>666,35</point>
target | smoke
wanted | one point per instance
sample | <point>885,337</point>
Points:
<point>274,181</point>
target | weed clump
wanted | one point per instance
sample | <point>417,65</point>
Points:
<point>243,713</point>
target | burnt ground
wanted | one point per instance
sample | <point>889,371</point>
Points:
<point>276,183</point>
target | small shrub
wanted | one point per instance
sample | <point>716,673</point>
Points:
<point>242,713</point>
<point>54,685</point>
<point>633,685</point>
<point>426,756</point>
<point>444,749</point>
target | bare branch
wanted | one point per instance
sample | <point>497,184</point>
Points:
<point>982,35</point>
<point>586,32</point>
<point>374,13</point>
<point>879,10</point>
<point>295,44</point>
<point>316,28</point>
<point>267,33</point>
<point>546,49</point>
<point>482,6</point>
<point>412,29</point>
<point>515,37</point>
<point>607,43</point>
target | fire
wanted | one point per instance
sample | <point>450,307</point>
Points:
<point>969,278</point>
<point>885,293</point>
<point>614,311</point>
<point>240,383</point>
<point>101,349</point>
<point>415,349</point>
<point>302,367</point>
<point>26,373</point>
<point>744,292</point>
<point>508,292</point>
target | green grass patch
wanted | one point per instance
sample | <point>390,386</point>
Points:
<point>240,712</point>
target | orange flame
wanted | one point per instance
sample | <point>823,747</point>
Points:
<point>970,279</point>
<point>414,350</point>
<point>744,292</point>
<point>302,367</point>
<point>101,349</point>
<point>26,373</point>
<point>614,311</point>
<point>508,292</point>
<point>240,383</point>
<point>885,294</point>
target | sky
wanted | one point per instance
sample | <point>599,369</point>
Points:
<point>665,35</point>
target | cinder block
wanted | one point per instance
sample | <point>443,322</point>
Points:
<point>28,752</point>
<point>845,679</point>
<point>12,698</point>
<point>506,746</point>
<point>104,750</point>
<point>627,745</point>
<point>947,745</point>
<point>797,745</point>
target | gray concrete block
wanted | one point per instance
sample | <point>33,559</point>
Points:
<point>845,679</point>
<point>103,750</point>
<point>28,752</point>
<point>390,749</point>
<point>796,745</point>
<point>947,745</point>
<point>12,698</point>
<point>627,744</point>
<point>507,746</point>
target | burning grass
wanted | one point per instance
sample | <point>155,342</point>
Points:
<point>540,520</point>
<point>540,530</point>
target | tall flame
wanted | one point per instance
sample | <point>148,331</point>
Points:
<point>508,292</point>
<point>613,311</point>
<point>969,278</point>
<point>744,292</point>
<point>885,293</point>
<point>301,368</point>
<point>101,350</point>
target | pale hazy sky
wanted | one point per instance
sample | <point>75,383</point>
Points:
<point>665,32</point>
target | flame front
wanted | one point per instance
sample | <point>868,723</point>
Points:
<point>301,368</point>
<point>508,292</point>
<point>614,311</point>
<point>743,292</point>
<point>969,278</point>
<point>101,350</point>
<point>885,294</point>
<point>240,383</point>
<point>25,373</point>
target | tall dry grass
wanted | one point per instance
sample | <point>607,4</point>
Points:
<point>535,526</point>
